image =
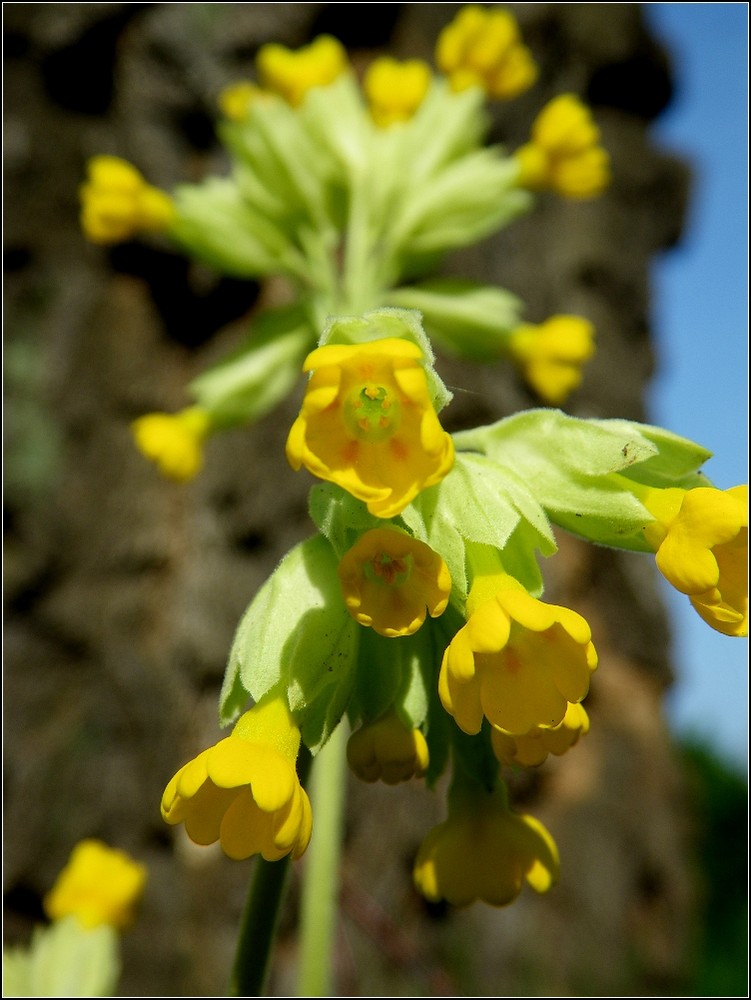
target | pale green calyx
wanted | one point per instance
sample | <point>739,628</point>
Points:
<point>580,468</point>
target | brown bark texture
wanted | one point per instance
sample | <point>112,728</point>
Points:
<point>123,590</point>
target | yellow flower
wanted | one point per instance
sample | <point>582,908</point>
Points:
<point>483,48</point>
<point>244,791</point>
<point>391,580</point>
<point>367,423</point>
<point>551,354</point>
<point>395,90</point>
<point>484,851</point>
<point>518,661</point>
<point>236,99</point>
<point>173,440</point>
<point>533,747</point>
<point>291,74</point>
<point>99,885</point>
<point>700,537</point>
<point>564,154</point>
<point>117,203</point>
<point>388,751</point>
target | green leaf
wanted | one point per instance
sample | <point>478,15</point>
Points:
<point>464,317</point>
<point>258,375</point>
<point>297,633</point>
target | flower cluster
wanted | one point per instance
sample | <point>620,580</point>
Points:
<point>413,615</point>
<point>77,953</point>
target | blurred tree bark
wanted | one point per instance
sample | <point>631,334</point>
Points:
<point>123,591</point>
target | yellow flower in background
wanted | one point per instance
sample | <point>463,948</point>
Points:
<point>174,441</point>
<point>99,885</point>
<point>700,537</point>
<point>292,73</point>
<point>244,791</point>
<point>563,154</point>
<point>390,581</point>
<point>368,424</point>
<point>395,90</point>
<point>550,355</point>
<point>236,99</point>
<point>117,203</point>
<point>388,751</point>
<point>517,661</point>
<point>484,851</point>
<point>483,48</point>
<point>532,749</point>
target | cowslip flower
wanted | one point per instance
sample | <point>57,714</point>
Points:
<point>532,749</point>
<point>388,751</point>
<point>518,661</point>
<point>484,851</point>
<point>700,538</point>
<point>236,99</point>
<point>483,48</point>
<point>390,581</point>
<point>563,154</point>
<point>550,355</point>
<point>99,885</point>
<point>117,203</point>
<point>244,791</point>
<point>367,424</point>
<point>395,90</point>
<point>292,73</point>
<point>174,441</point>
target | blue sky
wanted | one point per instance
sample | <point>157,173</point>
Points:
<point>700,323</point>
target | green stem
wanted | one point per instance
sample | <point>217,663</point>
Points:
<point>261,916</point>
<point>321,878</point>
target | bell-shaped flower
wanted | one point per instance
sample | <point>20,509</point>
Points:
<point>700,537</point>
<point>390,581</point>
<point>564,154</point>
<point>532,748</point>
<point>367,423</point>
<point>292,73</point>
<point>551,355</point>
<point>484,851</point>
<point>174,441</point>
<point>395,90</point>
<point>244,791</point>
<point>117,203</point>
<point>518,661</point>
<point>236,99</point>
<point>99,885</point>
<point>387,750</point>
<point>483,48</point>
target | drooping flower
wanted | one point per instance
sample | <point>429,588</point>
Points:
<point>174,441</point>
<point>390,581</point>
<point>244,791</point>
<point>484,851</point>
<point>532,749</point>
<point>292,73</point>
<point>99,885</point>
<point>518,661</point>
<point>551,354</point>
<point>700,537</point>
<point>483,48</point>
<point>395,90</point>
<point>235,99</point>
<point>388,751</point>
<point>367,423</point>
<point>564,154</point>
<point>117,203</point>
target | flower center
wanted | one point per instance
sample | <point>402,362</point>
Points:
<point>392,572</point>
<point>371,413</point>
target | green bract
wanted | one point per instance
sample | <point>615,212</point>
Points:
<point>579,469</point>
